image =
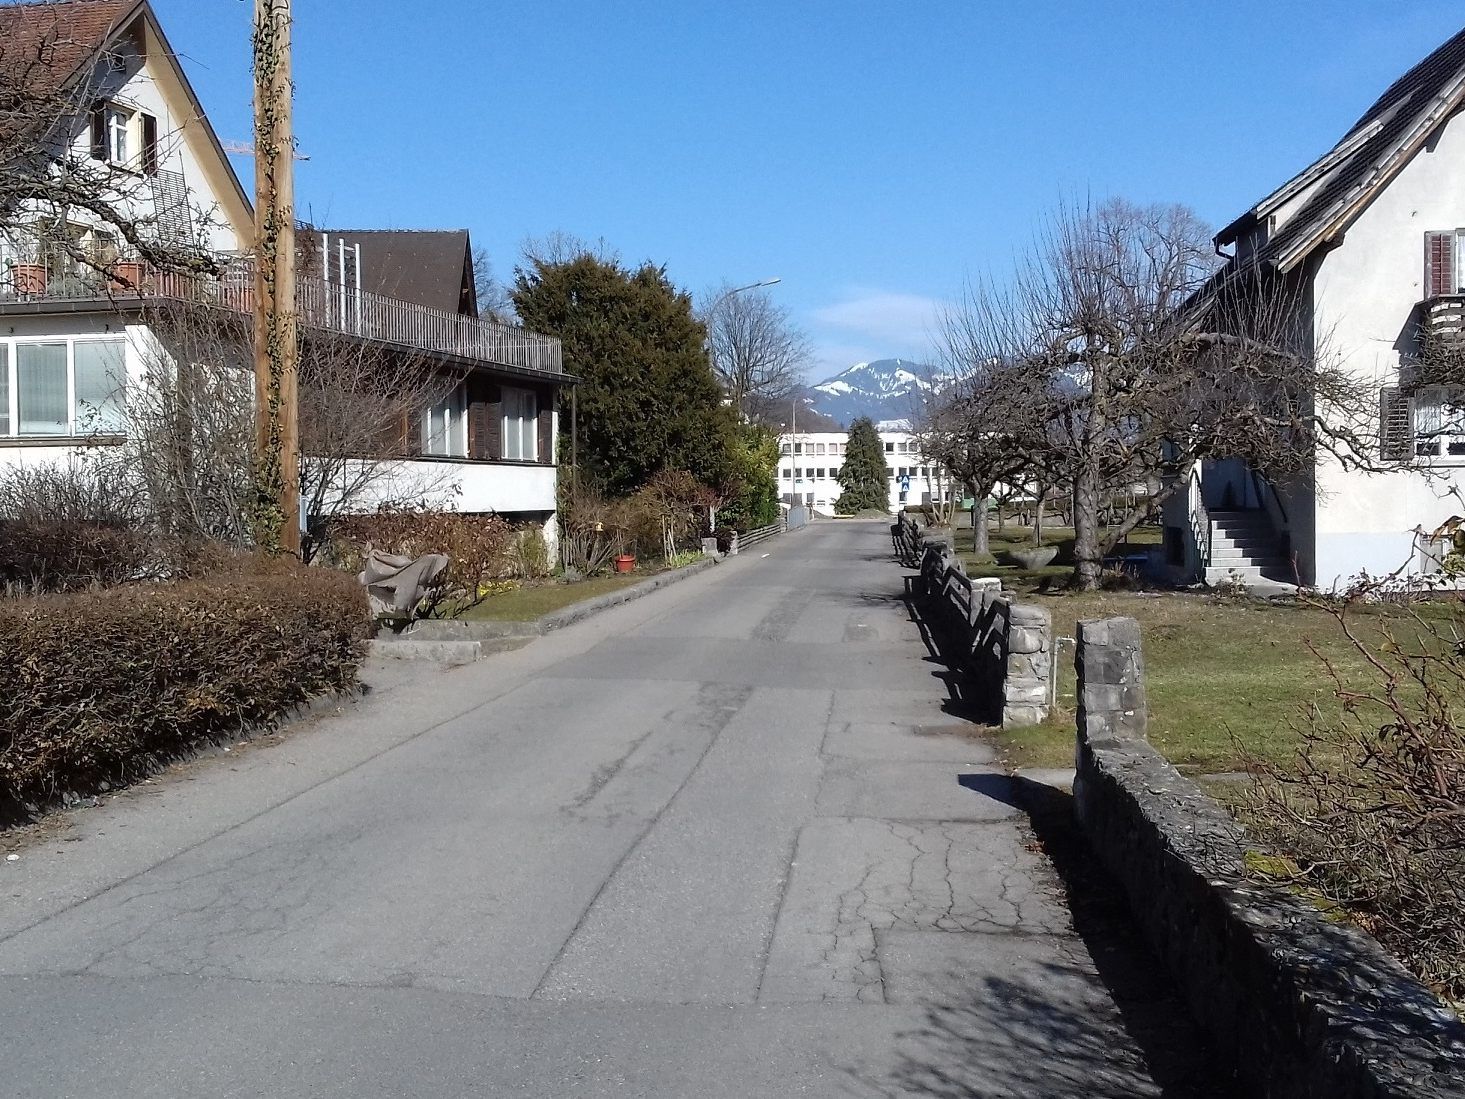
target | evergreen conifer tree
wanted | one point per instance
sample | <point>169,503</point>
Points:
<point>648,398</point>
<point>864,476</point>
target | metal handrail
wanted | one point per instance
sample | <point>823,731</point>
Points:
<point>1200,519</point>
<point>321,305</point>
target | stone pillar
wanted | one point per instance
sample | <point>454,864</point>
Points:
<point>1111,681</point>
<point>1029,669</point>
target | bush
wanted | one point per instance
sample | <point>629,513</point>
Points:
<point>1372,809</point>
<point>478,549</point>
<point>69,526</point>
<point>101,686</point>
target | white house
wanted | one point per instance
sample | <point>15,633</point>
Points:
<point>809,464</point>
<point>75,297</point>
<point>1371,237</point>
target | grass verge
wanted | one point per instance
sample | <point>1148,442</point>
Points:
<point>536,600</point>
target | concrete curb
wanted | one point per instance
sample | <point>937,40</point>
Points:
<point>457,641</point>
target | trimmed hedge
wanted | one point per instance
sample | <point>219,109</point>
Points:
<point>102,686</point>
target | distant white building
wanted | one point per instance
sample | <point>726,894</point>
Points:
<point>809,464</point>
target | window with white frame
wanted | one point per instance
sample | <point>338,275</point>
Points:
<point>445,426</point>
<point>521,425</point>
<point>64,387</point>
<point>119,133</point>
<point>124,137</point>
<point>1439,422</point>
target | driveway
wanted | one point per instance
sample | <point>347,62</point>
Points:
<point>727,840</point>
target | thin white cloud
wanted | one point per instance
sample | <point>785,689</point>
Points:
<point>867,324</point>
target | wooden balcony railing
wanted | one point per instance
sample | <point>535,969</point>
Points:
<point>321,305</point>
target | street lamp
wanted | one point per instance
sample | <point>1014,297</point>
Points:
<point>709,317</point>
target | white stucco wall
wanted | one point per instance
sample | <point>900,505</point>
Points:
<point>1365,294</point>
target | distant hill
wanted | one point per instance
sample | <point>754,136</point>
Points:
<point>886,390</point>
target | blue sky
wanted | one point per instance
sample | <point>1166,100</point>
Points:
<point>873,155</point>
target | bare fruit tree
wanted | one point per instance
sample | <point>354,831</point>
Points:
<point>189,427</point>
<point>758,352</point>
<point>75,192</point>
<point>1124,358</point>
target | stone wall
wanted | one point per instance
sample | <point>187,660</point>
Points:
<point>1304,1008</point>
<point>1005,647</point>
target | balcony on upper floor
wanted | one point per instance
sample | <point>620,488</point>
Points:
<point>322,305</point>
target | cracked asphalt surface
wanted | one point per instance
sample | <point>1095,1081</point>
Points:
<point>731,839</point>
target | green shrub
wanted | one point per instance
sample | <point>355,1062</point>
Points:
<point>101,686</point>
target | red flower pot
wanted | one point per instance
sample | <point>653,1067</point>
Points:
<point>625,563</point>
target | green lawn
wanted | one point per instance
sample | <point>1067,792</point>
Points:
<point>536,600</point>
<point>1224,676</point>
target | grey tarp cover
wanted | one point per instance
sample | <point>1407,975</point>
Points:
<point>395,584</point>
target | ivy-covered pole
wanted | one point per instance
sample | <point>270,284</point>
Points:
<point>277,472</point>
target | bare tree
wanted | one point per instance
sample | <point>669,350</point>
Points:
<point>494,302</point>
<point>758,352</point>
<point>69,195</point>
<point>1125,359</point>
<point>189,427</point>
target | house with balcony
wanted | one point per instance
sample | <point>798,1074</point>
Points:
<point>1370,240</point>
<point>78,299</point>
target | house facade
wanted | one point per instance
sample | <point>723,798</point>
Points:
<point>1370,238</point>
<point>809,464</point>
<point>78,301</point>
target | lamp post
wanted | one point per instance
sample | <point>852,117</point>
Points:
<point>710,317</point>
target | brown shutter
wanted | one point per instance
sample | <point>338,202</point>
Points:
<point>546,426</point>
<point>1439,260</point>
<point>1396,425</point>
<point>493,427</point>
<point>149,145</point>
<point>99,130</point>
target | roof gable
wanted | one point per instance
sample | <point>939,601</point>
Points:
<point>432,267</point>
<point>1370,155</point>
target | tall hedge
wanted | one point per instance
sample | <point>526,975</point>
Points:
<point>100,686</point>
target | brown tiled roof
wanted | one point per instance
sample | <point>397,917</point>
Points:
<point>431,267</point>
<point>57,38</point>
<point>1369,153</point>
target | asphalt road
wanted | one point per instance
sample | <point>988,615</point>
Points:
<point>727,840</point>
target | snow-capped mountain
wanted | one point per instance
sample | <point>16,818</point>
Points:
<point>884,390</point>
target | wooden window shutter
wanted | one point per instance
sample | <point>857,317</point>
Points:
<point>99,130</point>
<point>1396,425</point>
<point>149,145</point>
<point>493,412</point>
<point>546,427</point>
<point>1439,260</point>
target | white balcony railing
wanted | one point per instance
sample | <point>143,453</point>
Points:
<point>321,305</point>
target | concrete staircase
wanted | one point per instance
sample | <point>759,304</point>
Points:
<point>1244,544</point>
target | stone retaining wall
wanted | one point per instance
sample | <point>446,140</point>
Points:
<point>1303,1008</point>
<point>1005,647</point>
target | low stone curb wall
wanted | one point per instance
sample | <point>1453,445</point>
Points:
<point>450,640</point>
<point>1006,647</point>
<point>1303,1007</point>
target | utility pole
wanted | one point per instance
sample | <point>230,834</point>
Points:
<point>277,462</point>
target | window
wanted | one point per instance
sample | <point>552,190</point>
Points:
<point>40,383</point>
<point>521,425</point>
<point>788,474</point>
<point>798,448</point>
<point>125,138</point>
<point>902,448</point>
<point>819,474</point>
<point>100,386</point>
<point>445,426</point>
<point>62,387</point>
<point>1439,423</point>
<point>889,448</point>
<point>819,450</point>
<point>785,449</point>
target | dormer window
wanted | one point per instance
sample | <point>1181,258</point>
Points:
<point>125,138</point>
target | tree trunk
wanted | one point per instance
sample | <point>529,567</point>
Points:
<point>1038,519</point>
<point>1087,553</point>
<point>980,542</point>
